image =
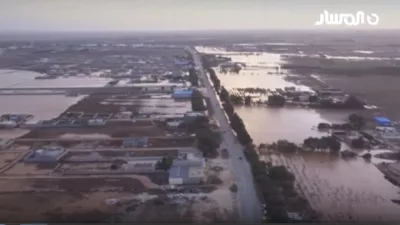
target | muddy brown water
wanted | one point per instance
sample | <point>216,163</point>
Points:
<point>43,107</point>
<point>340,190</point>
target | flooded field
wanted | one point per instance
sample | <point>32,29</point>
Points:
<point>25,79</point>
<point>42,107</point>
<point>340,190</point>
<point>295,124</point>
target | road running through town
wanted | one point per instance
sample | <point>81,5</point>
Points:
<point>249,206</point>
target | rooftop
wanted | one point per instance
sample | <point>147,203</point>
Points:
<point>380,119</point>
<point>179,172</point>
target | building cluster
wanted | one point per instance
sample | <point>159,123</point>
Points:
<point>189,118</point>
<point>188,168</point>
<point>46,155</point>
<point>385,128</point>
<point>70,119</point>
<point>13,120</point>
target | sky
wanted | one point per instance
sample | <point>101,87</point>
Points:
<point>152,15</point>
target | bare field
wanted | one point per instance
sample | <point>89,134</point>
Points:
<point>22,168</point>
<point>192,208</point>
<point>7,157</point>
<point>56,207</point>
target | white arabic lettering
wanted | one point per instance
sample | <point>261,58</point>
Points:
<point>347,19</point>
<point>369,19</point>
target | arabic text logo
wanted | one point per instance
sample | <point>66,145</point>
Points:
<point>348,19</point>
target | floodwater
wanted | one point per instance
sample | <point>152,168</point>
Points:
<point>267,125</point>
<point>42,107</point>
<point>340,190</point>
<point>26,79</point>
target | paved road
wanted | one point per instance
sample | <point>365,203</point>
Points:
<point>249,205</point>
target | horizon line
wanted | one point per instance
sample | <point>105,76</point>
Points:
<point>202,30</point>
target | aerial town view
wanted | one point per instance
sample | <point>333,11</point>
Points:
<point>199,126</point>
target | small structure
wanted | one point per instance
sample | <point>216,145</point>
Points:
<point>134,142</point>
<point>182,94</point>
<point>96,122</point>
<point>124,115</point>
<point>352,135</point>
<point>142,165</point>
<point>17,118</point>
<point>174,124</point>
<point>329,92</point>
<point>388,132</point>
<point>383,121</point>
<point>191,117</point>
<point>187,171</point>
<point>46,155</point>
<point>31,124</point>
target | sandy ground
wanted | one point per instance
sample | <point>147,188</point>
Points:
<point>198,208</point>
<point>22,168</point>
<point>7,157</point>
<point>20,198</point>
<point>227,200</point>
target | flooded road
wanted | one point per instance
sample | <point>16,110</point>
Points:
<point>340,190</point>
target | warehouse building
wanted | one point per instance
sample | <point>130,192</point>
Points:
<point>182,94</point>
<point>46,155</point>
<point>134,142</point>
<point>187,171</point>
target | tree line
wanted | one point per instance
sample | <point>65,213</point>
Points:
<point>275,183</point>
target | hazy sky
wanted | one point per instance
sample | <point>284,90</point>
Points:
<point>104,15</point>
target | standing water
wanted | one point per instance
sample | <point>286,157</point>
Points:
<point>340,190</point>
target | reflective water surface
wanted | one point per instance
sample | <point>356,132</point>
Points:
<point>339,189</point>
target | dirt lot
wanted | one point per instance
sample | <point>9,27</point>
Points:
<point>83,197</point>
<point>22,168</point>
<point>7,157</point>
<point>55,207</point>
<point>181,209</point>
<point>91,200</point>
